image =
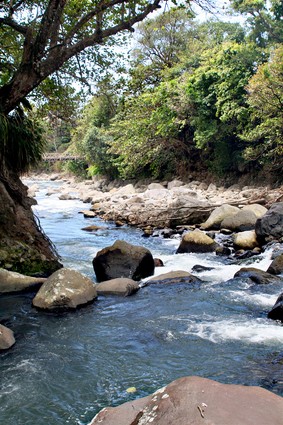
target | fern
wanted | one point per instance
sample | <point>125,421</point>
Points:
<point>21,141</point>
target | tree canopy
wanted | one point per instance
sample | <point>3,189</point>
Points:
<point>38,38</point>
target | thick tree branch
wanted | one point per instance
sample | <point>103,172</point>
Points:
<point>13,24</point>
<point>42,55</point>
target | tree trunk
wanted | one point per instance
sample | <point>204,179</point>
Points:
<point>23,246</point>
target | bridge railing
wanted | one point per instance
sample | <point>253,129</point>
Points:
<point>55,156</point>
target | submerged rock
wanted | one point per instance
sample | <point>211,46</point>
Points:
<point>123,259</point>
<point>16,282</point>
<point>65,289</point>
<point>276,313</point>
<point>7,339</point>
<point>178,276</point>
<point>119,286</point>
<point>257,276</point>
<point>198,401</point>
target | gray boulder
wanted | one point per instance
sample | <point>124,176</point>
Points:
<point>16,282</point>
<point>276,267</point>
<point>120,286</point>
<point>196,241</point>
<point>218,215</point>
<point>198,401</point>
<point>123,260</point>
<point>178,276</point>
<point>257,209</point>
<point>6,338</point>
<point>65,289</point>
<point>257,276</point>
<point>270,225</point>
<point>276,313</point>
<point>241,221</point>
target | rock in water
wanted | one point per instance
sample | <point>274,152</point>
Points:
<point>196,241</point>
<point>198,401</point>
<point>218,215</point>
<point>276,267</point>
<point>65,289</point>
<point>174,277</point>
<point>123,260</point>
<point>270,225</point>
<point>120,286</point>
<point>257,276</point>
<point>16,282</point>
<point>277,310</point>
<point>6,338</point>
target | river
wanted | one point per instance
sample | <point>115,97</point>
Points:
<point>65,367</point>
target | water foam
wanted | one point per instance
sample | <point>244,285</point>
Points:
<point>254,331</point>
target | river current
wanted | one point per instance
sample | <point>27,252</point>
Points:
<point>65,367</point>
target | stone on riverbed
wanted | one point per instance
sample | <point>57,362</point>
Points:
<point>241,221</point>
<point>120,286</point>
<point>16,282</point>
<point>270,225</point>
<point>276,267</point>
<point>65,289</point>
<point>245,240</point>
<point>276,313</point>
<point>196,241</point>
<point>178,276</point>
<point>6,338</point>
<point>123,260</point>
<point>218,215</point>
<point>257,276</point>
<point>198,401</point>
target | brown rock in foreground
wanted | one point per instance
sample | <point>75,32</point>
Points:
<point>198,401</point>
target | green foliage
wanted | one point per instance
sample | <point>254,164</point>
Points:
<point>265,20</point>
<point>216,101</point>
<point>265,134</point>
<point>21,144</point>
<point>78,168</point>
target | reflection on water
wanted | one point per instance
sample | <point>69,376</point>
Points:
<point>65,367</point>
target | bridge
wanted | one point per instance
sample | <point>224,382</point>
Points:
<point>55,156</point>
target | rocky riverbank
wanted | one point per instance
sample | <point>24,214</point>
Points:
<point>158,205</point>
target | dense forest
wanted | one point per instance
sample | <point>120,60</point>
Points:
<point>191,96</point>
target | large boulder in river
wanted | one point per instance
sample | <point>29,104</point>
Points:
<point>218,215</point>
<point>256,275</point>
<point>6,338</point>
<point>65,289</point>
<point>276,267</point>
<point>198,401</point>
<point>16,282</point>
<point>120,286</point>
<point>123,259</point>
<point>241,221</point>
<point>276,313</point>
<point>257,209</point>
<point>196,241</point>
<point>270,225</point>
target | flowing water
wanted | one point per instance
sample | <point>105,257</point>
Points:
<point>65,367</point>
